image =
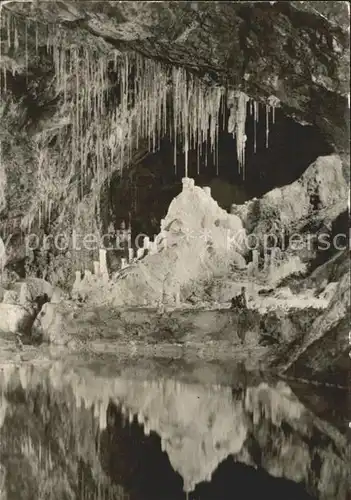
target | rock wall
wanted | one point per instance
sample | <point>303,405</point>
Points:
<point>323,350</point>
<point>322,188</point>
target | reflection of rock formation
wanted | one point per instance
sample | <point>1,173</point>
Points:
<point>197,426</point>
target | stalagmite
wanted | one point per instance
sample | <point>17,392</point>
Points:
<point>153,247</point>
<point>23,375</point>
<point>255,259</point>
<point>140,253</point>
<point>146,243</point>
<point>130,254</point>
<point>96,268</point>
<point>266,260</point>
<point>103,261</point>
<point>275,259</point>
<point>77,280</point>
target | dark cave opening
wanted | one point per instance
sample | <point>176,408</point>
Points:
<point>144,191</point>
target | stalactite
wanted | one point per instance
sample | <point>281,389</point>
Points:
<point>16,42</point>
<point>240,129</point>
<point>36,39</point>
<point>26,47</point>
<point>8,32</point>
<point>267,125</point>
<point>256,113</point>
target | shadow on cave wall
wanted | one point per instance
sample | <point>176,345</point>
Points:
<point>145,191</point>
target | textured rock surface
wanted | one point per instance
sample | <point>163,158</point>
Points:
<point>287,209</point>
<point>36,288</point>
<point>292,52</point>
<point>52,324</point>
<point>15,319</point>
<point>323,349</point>
<point>295,52</point>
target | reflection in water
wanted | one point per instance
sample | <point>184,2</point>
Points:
<point>69,434</point>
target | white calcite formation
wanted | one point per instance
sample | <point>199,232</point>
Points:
<point>103,261</point>
<point>96,265</point>
<point>130,254</point>
<point>197,239</point>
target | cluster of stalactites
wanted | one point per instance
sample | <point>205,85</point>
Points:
<point>142,113</point>
<point>102,136</point>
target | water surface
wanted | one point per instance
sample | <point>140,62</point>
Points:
<point>105,427</point>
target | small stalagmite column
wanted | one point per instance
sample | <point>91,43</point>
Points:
<point>275,259</point>
<point>103,264</point>
<point>267,260</point>
<point>153,247</point>
<point>255,259</point>
<point>130,254</point>
<point>146,243</point>
<point>77,280</point>
<point>188,183</point>
<point>96,268</point>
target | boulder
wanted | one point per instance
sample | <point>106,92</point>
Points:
<point>52,323</point>
<point>15,318</point>
<point>10,297</point>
